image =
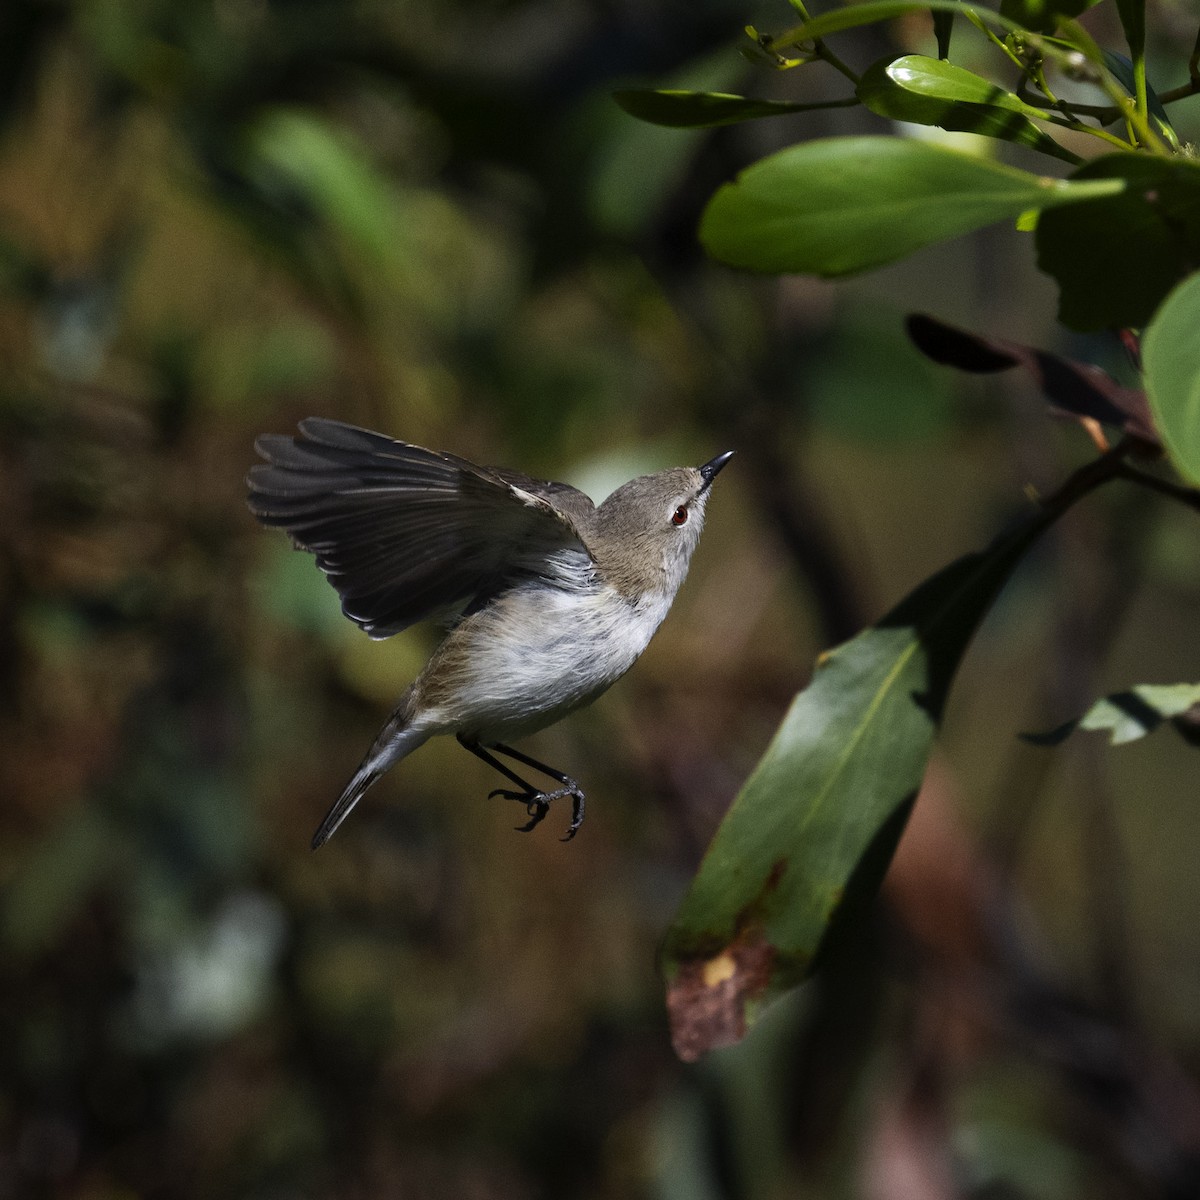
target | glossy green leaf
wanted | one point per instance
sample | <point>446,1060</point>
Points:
<point>1127,716</point>
<point>1115,258</point>
<point>927,91</point>
<point>1171,363</point>
<point>705,110</point>
<point>842,205</point>
<point>807,841</point>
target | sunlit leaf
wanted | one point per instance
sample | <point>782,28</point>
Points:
<point>807,841</point>
<point>1171,360</point>
<point>926,91</point>
<point>842,205</point>
<point>1116,257</point>
<point>1127,716</point>
<point>703,110</point>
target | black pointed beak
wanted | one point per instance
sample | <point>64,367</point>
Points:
<point>709,471</point>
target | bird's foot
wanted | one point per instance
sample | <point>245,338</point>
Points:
<point>537,805</point>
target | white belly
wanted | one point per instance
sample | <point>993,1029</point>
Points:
<point>531,657</point>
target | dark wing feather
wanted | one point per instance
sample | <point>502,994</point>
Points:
<point>401,531</point>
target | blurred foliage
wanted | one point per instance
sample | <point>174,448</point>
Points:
<point>219,216</point>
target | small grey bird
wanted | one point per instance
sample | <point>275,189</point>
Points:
<point>556,597</point>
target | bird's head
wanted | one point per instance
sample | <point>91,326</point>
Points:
<point>648,528</point>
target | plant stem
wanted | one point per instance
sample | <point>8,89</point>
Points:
<point>822,51</point>
<point>1087,478</point>
<point>1188,496</point>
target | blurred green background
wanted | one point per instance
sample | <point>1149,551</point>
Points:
<point>219,217</point>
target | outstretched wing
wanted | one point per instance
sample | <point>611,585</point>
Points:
<point>403,532</point>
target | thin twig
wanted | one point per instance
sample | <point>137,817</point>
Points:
<point>1185,495</point>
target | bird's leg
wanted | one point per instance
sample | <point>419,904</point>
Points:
<point>569,787</point>
<point>537,802</point>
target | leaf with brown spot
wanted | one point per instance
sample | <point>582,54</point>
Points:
<point>803,848</point>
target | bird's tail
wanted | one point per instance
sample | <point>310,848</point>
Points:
<point>398,738</point>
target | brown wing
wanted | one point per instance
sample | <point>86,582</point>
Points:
<point>401,531</point>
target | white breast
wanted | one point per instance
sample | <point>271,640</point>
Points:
<point>538,652</point>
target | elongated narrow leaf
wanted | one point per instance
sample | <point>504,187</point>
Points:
<point>807,841</point>
<point>842,205</point>
<point>706,110</point>
<point>1127,716</point>
<point>926,91</point>
<point>1116,257</point>
<point>1123,72</point>
<point>1171,360</point>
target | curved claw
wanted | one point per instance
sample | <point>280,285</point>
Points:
<point>537,805</point>
<point>576,816</point>
<point>537,810</point>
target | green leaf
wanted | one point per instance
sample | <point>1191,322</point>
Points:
<point>705,110</point>
<point>1171,363</point>
<point>1042,15</point>
<point>807,841</point>
<point>1115,258</point>
<point>853,16</point>
<point>926,91</point>
<point>1127,716</point>
<point>1124,72</point>
<point>842,205</point>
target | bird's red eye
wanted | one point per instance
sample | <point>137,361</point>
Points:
<point>680,515</point>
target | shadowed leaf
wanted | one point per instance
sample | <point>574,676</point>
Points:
<point>1122,70</point>
<point>1116,257</point>
<point>1077,389</point>
<point>1043,15</point>
<point>705,110</point>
